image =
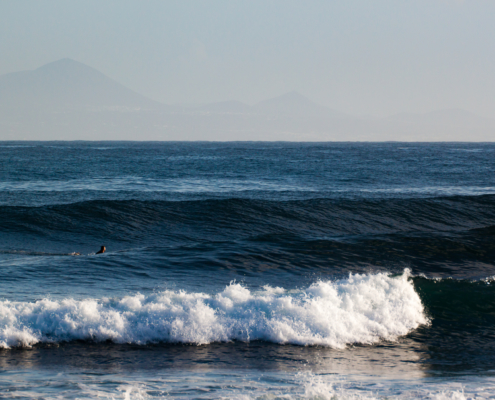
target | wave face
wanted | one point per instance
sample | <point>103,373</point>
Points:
<point>129,220</point>
<point>446,235</point>
<point>361,309</point>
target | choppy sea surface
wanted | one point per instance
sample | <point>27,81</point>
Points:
<point>247,270</point>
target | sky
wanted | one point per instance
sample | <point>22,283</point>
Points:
<point>361,57</point>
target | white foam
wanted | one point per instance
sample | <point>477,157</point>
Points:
<point>360,309</point>
<point>242,385</point>
<point>318,388</point>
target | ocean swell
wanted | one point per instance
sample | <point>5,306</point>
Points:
<point>130,219</point>
<point>360,309</point>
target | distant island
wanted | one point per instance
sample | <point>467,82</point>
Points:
<point>68,100</point>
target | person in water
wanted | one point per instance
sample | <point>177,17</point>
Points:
<point>102,250</point>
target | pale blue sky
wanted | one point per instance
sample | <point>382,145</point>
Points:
<point>363,57</point>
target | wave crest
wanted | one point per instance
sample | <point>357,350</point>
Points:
<point>360,309</point>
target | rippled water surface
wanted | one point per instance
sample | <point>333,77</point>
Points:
<point>247,270</point>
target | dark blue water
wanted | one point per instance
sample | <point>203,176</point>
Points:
<point>247,269</point>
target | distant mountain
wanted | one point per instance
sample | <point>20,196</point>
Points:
<point>67,84</point>
<point>67,100</point>
<point>294,104</point>
<point>224,107</point>
<point>290,104</point>
<point>447,117</point>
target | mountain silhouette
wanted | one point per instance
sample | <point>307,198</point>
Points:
<point>225,107</point>
<point>67,84</point>
<point>451,116</point>
<point>68,100</point>
<point>293,104</point>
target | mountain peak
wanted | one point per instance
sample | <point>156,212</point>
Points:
<point>68,84</point>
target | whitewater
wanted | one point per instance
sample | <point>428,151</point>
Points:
<point>360,309</point>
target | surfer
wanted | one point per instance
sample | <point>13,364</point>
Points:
<point>102,250</point>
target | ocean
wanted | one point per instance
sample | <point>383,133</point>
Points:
<point>247,270</point>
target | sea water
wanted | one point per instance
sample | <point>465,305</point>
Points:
<point>247,270</point>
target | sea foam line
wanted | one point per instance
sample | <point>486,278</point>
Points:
<point>360,309</point>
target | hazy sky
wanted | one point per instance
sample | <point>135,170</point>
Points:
<point>359,56</point>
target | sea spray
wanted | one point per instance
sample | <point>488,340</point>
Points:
<point>360,309</point>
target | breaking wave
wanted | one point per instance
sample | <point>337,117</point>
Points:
<point>360,309</point>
